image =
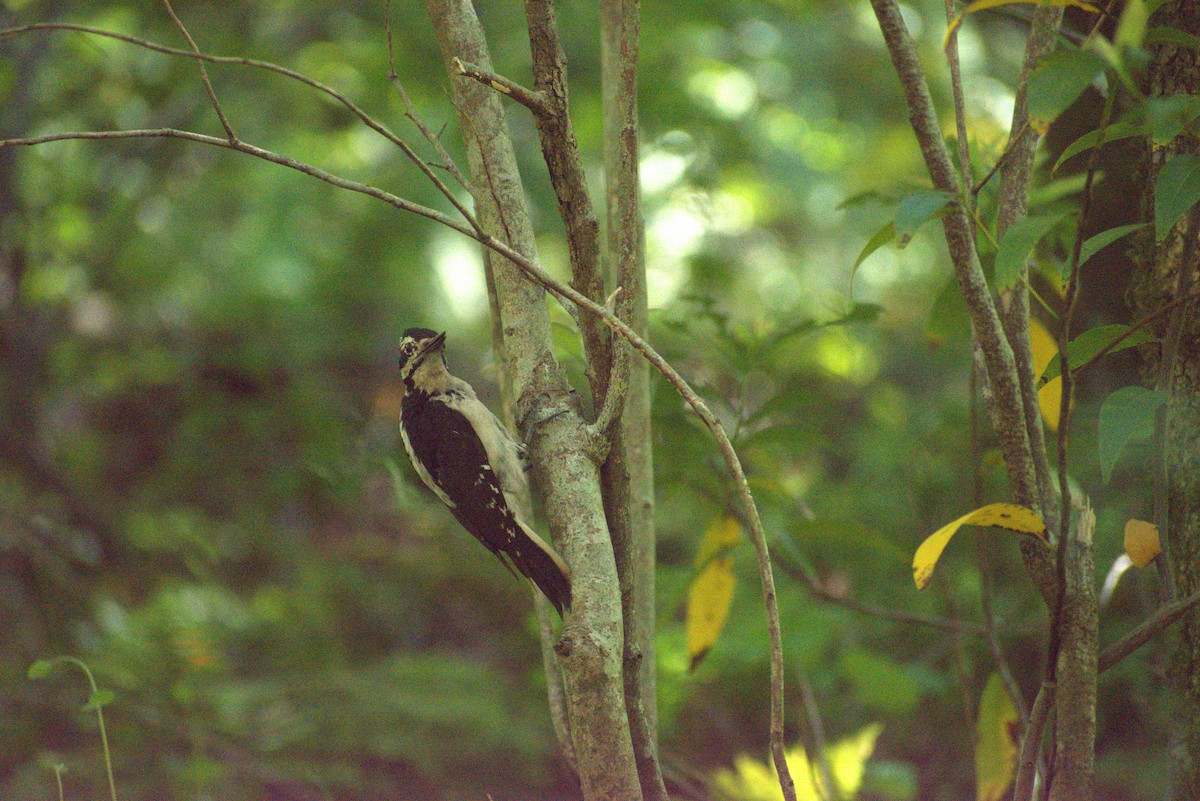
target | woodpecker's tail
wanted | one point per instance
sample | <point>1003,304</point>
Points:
<point>545,568</point>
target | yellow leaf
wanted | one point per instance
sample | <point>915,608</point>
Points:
<point>752,780</point>
<point>722,534</point>
<point>709,599</point>
<point>1141,542</point>
<point>995,748</point>
<point>1045,350</point>
<point>1002,515</point>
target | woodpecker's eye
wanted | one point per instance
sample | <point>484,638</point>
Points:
<point>408,348</point>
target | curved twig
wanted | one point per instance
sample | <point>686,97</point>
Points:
<point>349,104</point>
<point>1165,616</point>
<point>526,265</point>
<point>208,87</point>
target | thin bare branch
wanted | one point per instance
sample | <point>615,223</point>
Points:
<point>1031,744</point>
<point>410,110</point>
<point>534,101</point>
<point>367,119</point>
<point>1146,631</point>
<point>560,151</point>
<point>208,87</point>
<point>1000,162</point>
<point>960,113</point>
<point>266,155</point>
<point>814,586</point>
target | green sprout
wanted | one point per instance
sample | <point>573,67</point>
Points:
<point>97,700</point>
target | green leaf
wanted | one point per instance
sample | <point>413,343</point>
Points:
<point>1058,81</point>
<point>1113,133</point>
<point>1165,34</point>
<point>1126,416</point>
<point>877,240</point>
<point>1177,190</point>
<point>949,318</point>
<point>918,208</point>
<point>1168,116</point>
<point>40,669</point>
<point>1084,348</point>
<point>1016,245</point>
<point>1094,244</point>
<point>1131,30</point>
<point>98,700</point>
<point>861,199</point>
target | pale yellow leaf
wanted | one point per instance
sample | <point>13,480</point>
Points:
<point>709,599</point>
<point>1141,542</point>
<point>1002,515</point>
<point>722,534</point>
<point>752,780</point>
<point>995,748</point>
<point>1045,350</point>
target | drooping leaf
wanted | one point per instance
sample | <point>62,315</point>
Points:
<point>1113,133</point>
<point>711,591</point>
<point>1164,34</point>
<point>1094,244</point>
<point>1045,352</point>
<point>709,598</point>
<point>1126,416</point>
<point>861,199</point>
<point>1058,81</point>
<point>1177,190</point>
<point>1016,245</point>
<point>1084,348</point>
<point>918,208</point>
<point>995,748</point>
<point>1008,516</point>
<point>1141,542</point>
<point>722,534</point>
<point>1131,29</point>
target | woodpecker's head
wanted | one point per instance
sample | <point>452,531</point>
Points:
<point>420,348</point>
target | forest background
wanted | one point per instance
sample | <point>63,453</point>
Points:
<point>201,485</point>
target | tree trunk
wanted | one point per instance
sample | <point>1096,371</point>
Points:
<point>590,650</point>
<point>628,474</point>
<point>1169,270</point>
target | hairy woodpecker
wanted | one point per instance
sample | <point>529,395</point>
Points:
<point>462,452</point>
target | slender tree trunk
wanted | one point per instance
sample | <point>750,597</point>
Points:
<point>1168,270</point>
<point>1075,697</point>
<point>590,651</point>
<point>628,474</point>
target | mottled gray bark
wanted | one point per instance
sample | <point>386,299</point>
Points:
<point>590,649</point>
<point>1166,271</point>
<point>1075,697</point>
<point>628,474</point>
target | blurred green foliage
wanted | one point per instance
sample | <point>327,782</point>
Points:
<point>198,403</point>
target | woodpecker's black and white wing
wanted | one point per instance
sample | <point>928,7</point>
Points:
<point>461,469</point>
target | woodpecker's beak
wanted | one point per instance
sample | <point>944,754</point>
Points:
<point>435,343</point>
